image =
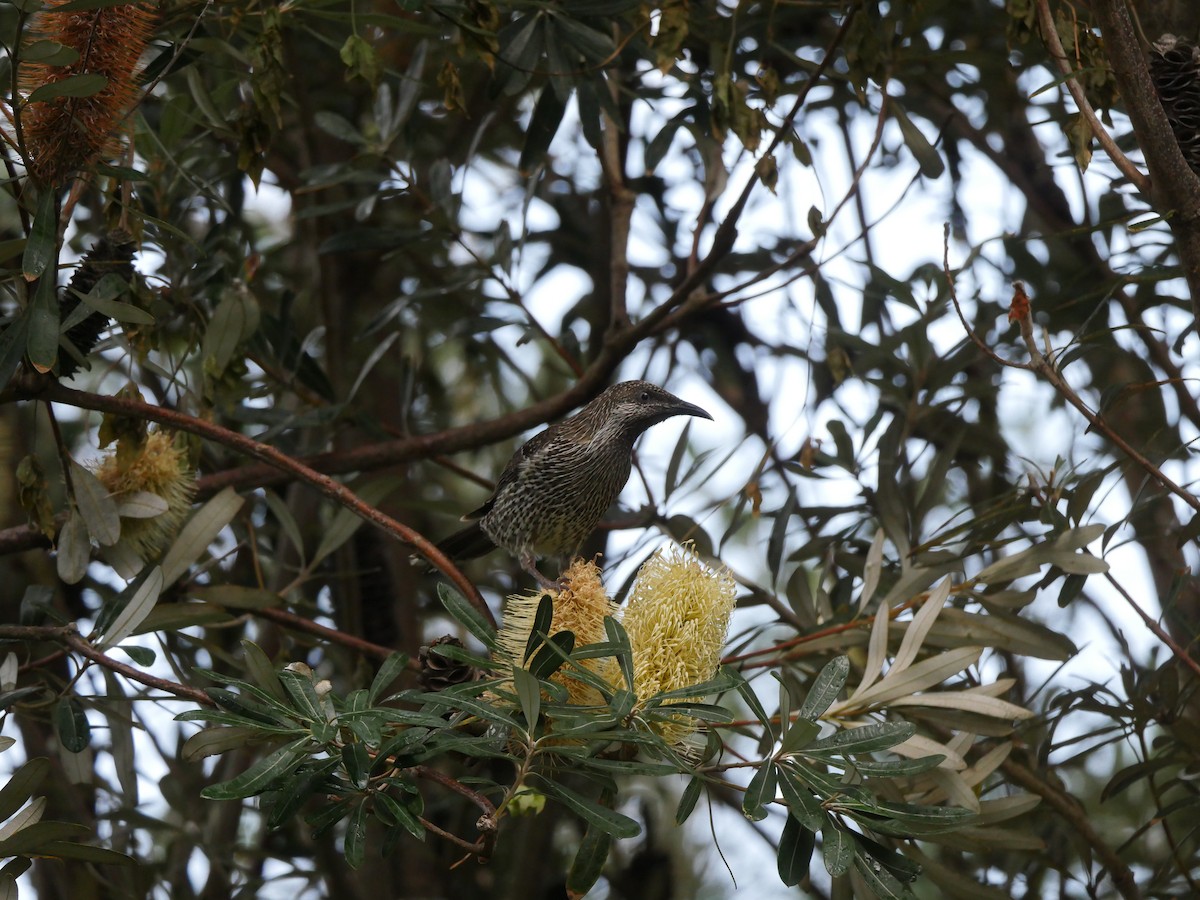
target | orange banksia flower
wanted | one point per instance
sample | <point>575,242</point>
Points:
<point>65,134</point>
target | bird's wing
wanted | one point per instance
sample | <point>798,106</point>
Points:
<point>512,471</point>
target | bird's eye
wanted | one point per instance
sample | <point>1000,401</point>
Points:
<point>645,398</point>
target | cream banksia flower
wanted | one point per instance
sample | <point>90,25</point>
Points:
<point>677,619</point>
<point>159,466</point>
<point>580,608</point>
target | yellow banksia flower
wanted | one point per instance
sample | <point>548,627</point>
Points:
<point>677,618</point>
<point>580,608</point>
<point>158,465</point>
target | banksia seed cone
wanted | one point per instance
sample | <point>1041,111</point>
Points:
<point>440,672</point>
<point>579,609</point>
<point>677,618</point>
<point>64,135</point>
<point>158,466</point>
<point>112,253</point>
<point>1175,70</point>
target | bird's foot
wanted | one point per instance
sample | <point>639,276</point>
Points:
<point>546,584</point>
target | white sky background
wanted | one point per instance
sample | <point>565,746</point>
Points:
<point>910,234</point>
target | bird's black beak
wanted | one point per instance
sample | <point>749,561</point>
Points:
<point>683,408</point>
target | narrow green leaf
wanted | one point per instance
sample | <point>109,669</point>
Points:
<point>529,694</point>
<point>543,125</point>
<point>617,636</point>
<point>589,861</point>
<point>467,615</point>
<point>607,820</point>
<point>96,506</point>
<point>687,802</point>
<point>303,694</point>
<point>71,725</point>
<point>13,340</point>
<point>41,248</point>
<point>542,622</point>
<point>837,849</point>
<point>198,532</point>
<point>826,688</point>
<point>552,655</point>
<point>354,846</point>
<point>795,852</point>
<point>74,549</point>
<point>21,785</point>
<point>865,739</point>
<point>263,774</point>
<point>84,84</point>
<point>393,667</point>
<point>800,800</point>
<point>760,792</point>
<point>135,611</point>
<point>261,670</point>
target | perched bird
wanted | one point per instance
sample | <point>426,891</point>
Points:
<point>560,482</point>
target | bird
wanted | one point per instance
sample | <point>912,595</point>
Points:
<point>559,483</point>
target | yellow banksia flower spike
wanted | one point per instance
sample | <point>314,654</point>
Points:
<point>677,618</point>
<point>579,608</point>
<point>158,465</point>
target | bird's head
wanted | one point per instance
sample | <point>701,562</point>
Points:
<point>637,405</point>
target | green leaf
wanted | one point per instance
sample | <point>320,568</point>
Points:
<point>618,637</point>
<point>71,725</point>
<point>13,339</point>
<point>837,848</point>
<point>799,735</point>
<point>260,669</point>
<point>543,125</point>
<point>199,531</point>
<point>96,506</point>
<point>135,611</point>
<point>529,694</point>
<point>552,655</point>
<point>74,549</point>
<point>21,785</point>
<point>760,792</point>
<point>542,622</point>
<point>795,852</point>
<point>85,84</point>
<point>589,861</point>
<point>607,820</point>
<point>263,775</point>
<point>49,53</point>
<point>41,248</point>
<point>303,694</point>
<point>357,763</point>
<point>467,615</point>
<point>866,739</point>
<point>687,802</point>
<point>354,843</point>
<point>42,346</point>
<point>800,801</point>
<point>928,159</point>
<point>401,814</point>
<point>393,667</point>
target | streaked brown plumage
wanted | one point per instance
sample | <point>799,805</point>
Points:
<point>556,487</point>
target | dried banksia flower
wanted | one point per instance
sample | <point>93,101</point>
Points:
<point>64,134</point>
<point>440,672</point>
<point>159,465</point>
<point>113,253</point>
<point>579,608</point>
<point>1175,70</point>
<point>677,618</point>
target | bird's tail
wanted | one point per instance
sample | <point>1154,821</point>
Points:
<point>468,543</point>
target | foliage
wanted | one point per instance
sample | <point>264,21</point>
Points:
<point>371,236</point>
